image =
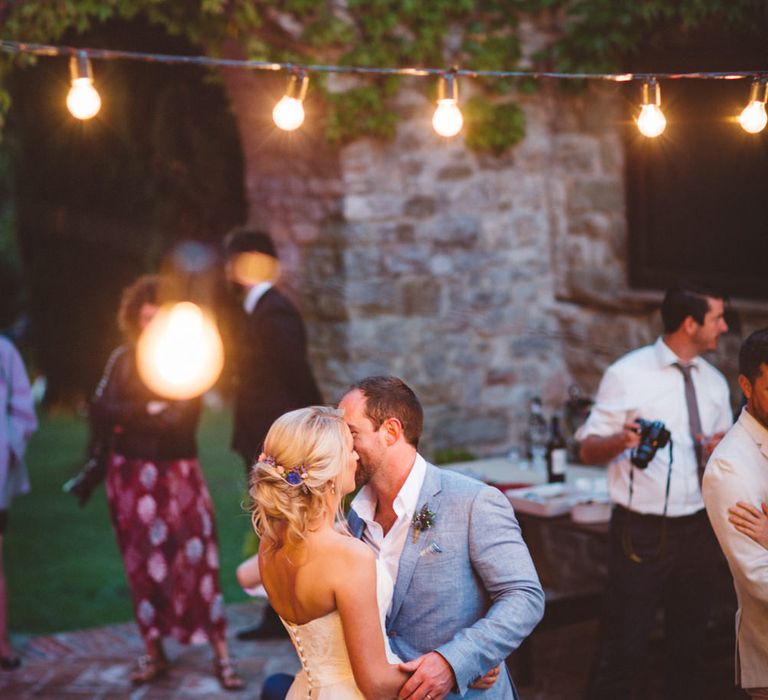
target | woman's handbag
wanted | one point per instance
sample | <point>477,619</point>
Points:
<point>94,470</point>
<point>91,475</point>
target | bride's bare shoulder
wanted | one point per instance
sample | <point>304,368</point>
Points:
<point>352,550</point>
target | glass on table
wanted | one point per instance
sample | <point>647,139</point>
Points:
<point>516,456</point>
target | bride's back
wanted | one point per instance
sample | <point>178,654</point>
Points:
<point>301,580</point>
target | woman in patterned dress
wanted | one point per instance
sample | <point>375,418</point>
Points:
<point>159,504</point>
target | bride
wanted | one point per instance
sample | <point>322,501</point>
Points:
<point>328,588</point>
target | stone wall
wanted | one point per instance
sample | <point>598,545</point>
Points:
<point>480,280</point>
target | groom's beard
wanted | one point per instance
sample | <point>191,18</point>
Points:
<point>362,474</point>
<point>366,468</point>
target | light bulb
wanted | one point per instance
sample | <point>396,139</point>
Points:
<point>180,353</point>
<point>447,120</point>
<point>753,117</point>
<point>288,113</point>
<point>83,100</point>
<point>651,121</point>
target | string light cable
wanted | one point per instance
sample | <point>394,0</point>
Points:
<point>447,86</point>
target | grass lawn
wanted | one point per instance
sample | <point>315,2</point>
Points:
<point>62,563</point>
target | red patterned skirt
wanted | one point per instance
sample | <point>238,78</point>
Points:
<point>163,520</point>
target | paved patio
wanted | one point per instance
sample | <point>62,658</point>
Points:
<point>97,663</point>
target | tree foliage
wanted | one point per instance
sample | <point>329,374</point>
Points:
<point>591,35</point>
<point>94,204</point>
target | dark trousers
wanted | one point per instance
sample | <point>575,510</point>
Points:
<point>276,687</point>
<point>677,578</point>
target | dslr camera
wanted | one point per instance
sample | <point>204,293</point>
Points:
<point>653,435</point>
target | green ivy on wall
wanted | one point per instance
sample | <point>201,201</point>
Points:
<point>592,35</point>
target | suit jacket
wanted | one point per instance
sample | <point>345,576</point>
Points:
<point>273,374</point>
<point>467,587</point>
<point>738,471</point>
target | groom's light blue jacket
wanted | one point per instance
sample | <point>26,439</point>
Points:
<point>467,587</point>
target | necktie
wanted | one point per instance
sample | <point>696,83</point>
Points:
<point>694,420</point>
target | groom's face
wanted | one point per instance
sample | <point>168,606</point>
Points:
<point>369,444</point>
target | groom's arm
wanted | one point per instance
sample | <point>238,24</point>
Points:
<point>501,559</point>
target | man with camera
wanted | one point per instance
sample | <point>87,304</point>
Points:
<point>659,412</point>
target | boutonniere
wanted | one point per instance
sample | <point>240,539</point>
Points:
<point>422,520</point>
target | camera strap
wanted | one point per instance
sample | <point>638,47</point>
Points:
<point>626,535</point>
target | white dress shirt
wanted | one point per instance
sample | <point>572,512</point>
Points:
<point>646,384</point>
<point>389,547</point>
<point>254,294</point>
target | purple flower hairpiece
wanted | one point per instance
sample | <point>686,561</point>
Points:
<point>294,476</point>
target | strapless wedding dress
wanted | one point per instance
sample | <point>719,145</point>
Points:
<point>326,673</point>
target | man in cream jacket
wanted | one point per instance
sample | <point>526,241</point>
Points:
<point>738,472</point>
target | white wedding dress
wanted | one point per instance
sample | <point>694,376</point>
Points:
<point>326,672</point>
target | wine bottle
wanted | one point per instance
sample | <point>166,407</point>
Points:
<point>537,435</point>
<point>557,453</point>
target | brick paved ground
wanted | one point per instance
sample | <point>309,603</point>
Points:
<point>97,664</point>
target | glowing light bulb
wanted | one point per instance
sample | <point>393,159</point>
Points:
<point>288,113</point>
<point>83,100</point>
<point>753,117</point>
<point>180,353</point>
<point>447,120</point>
<point>651,121</point>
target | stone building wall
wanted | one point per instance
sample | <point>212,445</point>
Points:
<point>480,280</point>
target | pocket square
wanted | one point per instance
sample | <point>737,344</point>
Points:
<point>431,548</point>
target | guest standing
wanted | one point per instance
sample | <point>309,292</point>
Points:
<point>16,426</point>
<point>662,549</point>
<point>159,504</point>
<point>273,375</point>
<point>737,474</point>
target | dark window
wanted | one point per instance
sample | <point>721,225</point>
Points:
<point>697,196</point>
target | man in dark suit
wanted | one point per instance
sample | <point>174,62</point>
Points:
<point>273,375</point>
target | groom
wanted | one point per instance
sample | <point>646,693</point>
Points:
<point>466,591</point>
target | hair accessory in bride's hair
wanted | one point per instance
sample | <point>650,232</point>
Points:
<point>294,476</point>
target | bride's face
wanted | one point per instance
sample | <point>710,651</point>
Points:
<point>348,482</point>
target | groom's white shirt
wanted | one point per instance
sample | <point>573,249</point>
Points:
<point>389,547</point>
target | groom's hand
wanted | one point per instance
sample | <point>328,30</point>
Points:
<point>432,678</point>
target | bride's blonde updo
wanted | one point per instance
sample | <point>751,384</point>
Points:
<point>302,464</point>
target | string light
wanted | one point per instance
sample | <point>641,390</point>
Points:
<point>288,113</point>
<point>651,121</point>
<point>83,100</point>
<point>753,117</point>
<point>447,120</point>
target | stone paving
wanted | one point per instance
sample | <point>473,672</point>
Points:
<point>97,664</point>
